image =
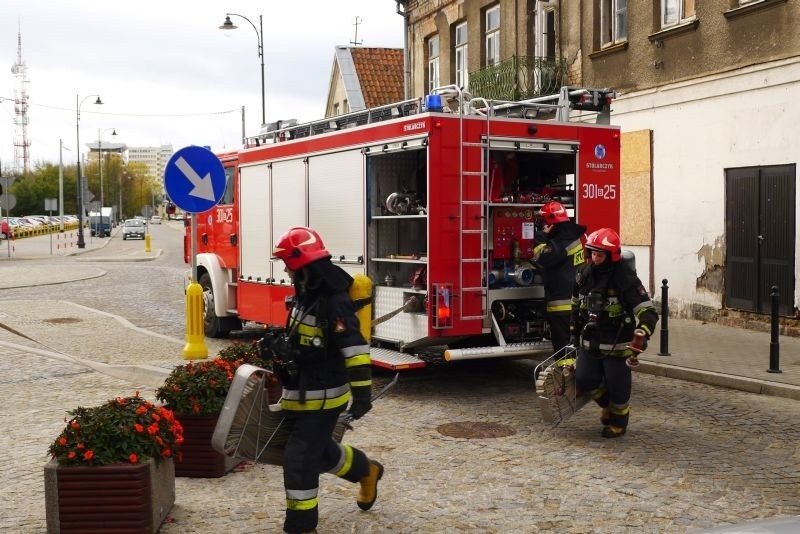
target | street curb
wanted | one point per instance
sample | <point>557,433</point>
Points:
<point>750,385</point>
<point>108,259</point>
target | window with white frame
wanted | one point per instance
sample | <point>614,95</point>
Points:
<point>676,11</point>
<point>462,75</point>
<point>433,62</point>
<point>493,36</point>
<point>613,22</point>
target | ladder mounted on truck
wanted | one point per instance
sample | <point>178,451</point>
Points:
<point>567,99</point>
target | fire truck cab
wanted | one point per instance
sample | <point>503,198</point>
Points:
<point>436,201</point>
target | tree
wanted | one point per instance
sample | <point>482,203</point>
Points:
<point>42,183</point>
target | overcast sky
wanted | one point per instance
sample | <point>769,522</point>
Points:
<point>165,72</point>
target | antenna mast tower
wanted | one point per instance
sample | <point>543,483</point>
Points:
<point>22,145</point>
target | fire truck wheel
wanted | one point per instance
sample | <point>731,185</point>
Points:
<point>214,326</point>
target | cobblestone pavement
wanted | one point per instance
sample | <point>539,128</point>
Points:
<point>695,456</point>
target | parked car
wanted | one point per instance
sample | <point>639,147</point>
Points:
<point>133,228</point>
<point>155,219</point>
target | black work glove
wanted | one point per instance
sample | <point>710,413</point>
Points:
<point>362,402</point>
<point>574,340</point>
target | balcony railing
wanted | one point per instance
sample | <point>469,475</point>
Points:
<point>519,78</point>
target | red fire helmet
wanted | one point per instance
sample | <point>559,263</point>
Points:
<point>605,240</point>
<point>554,212</point>
<point>299,246</point>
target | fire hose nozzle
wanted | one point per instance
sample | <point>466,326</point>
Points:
<point>637,345</point>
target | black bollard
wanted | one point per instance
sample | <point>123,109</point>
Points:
<point>774,345</point>
<point>664,350</point>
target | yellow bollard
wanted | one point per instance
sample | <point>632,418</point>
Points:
<point>195,348</point>
<point>147,242</point>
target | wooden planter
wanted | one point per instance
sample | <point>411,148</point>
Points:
<point>131,498</point>
<point>199,459</point>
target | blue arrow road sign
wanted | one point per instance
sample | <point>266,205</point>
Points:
<point>194,179</point>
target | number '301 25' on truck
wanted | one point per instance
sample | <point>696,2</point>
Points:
<point>437,205</point>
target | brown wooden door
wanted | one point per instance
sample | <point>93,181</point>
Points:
<point>760,236</point>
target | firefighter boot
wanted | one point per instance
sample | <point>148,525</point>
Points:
<point>605,415</point>
<point>369,486</point>
<point>611,431</point>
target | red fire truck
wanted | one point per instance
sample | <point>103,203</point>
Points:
<point>435,200</point>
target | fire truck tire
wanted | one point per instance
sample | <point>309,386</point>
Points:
<point>214,326</point>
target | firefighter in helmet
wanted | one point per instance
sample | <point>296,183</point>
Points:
<point>323,362</point>
<point>611,308</point>
<point>558,254</point>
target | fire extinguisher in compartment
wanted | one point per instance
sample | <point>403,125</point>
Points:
<point>443,312</point>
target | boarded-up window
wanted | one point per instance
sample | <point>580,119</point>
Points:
<point>636,184</point>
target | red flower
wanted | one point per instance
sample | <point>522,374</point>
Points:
<point>166,452</point>
<point>196,408</point>
<point>121,430</point>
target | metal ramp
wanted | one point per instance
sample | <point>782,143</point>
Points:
<point>394,360</point>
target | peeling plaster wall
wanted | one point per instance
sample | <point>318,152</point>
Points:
<point>712,279</point>
<point>746,117</point>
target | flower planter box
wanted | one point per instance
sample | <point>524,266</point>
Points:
<point>199,459</point>
<point>132,498</point>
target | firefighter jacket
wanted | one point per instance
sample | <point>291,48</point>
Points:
<point>559,256</point>
<point>329,354</point>
<point>622,305</point>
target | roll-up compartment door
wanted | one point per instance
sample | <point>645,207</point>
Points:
<point>336,205</point>
<point>288,203</point>
<point>254,219</point>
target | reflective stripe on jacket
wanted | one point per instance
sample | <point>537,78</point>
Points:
<point>333,357</point>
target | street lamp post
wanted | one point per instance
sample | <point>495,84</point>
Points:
<point>61,148</point>
<point>78,104</point>
<point>228,25</point>
<point>100,166</point>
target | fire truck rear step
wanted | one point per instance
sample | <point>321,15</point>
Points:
<point>531,348</point>
<point>394,360</point>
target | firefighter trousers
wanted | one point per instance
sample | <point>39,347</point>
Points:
<point>559,329</point>
<point>608,380</point>
<point>311,450</point>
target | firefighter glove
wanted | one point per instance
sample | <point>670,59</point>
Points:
<point>362,403</point>
<point>574,340</point>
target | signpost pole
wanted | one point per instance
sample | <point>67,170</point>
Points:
<point>195,181</point>
<point>194,247</point>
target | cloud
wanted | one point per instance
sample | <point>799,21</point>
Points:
<point>167,74</point>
